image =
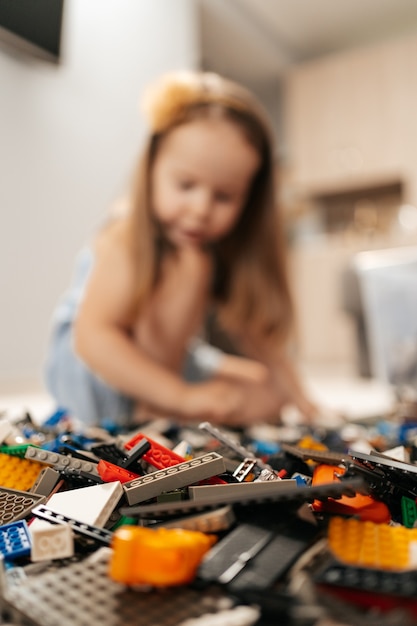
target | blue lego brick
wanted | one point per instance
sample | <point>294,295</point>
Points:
<point>55,418</point>
<point>15,540</point>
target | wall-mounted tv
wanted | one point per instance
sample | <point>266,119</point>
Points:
<point>33,27</point>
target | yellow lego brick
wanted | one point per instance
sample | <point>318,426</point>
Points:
<point>17,473</point>
<point>366,544</point>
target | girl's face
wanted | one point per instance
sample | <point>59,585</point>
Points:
<point>200,180</point>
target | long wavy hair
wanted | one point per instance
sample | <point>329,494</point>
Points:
<point>251,289</point>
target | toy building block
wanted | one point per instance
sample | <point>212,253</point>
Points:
<point>5,429</point>
<point>76,478</point>
<point>215,521</point>
<point>17,473</point>
<point>60,461</point>
<point>239,450</point>
<point>221,493</point>
<point>246,470</point>
<point>110,472</point>
<point>158,456</point>
<point>409,512</point>
<point>184,449</point>
<point>319,456</point>
<point>135,454</point>
<point>83,593</point>
<point>90,505</point>
<point>399,453</point>
<point>51,541</point>
<point>109,452</point>
<point>169,496</point>
<point>388,480</point>
<point>159,557</point>
<point>378,459</point>
<point>361,505</point>
<point>46,481</point>
<point>365,544</point>
<point>174,477</point>
<point>15,540</point>
<point>19,450</point>
<point>233,552</point>
<point>100,535</point>
<point>253,556</point>
<point>16,505</point>
<point>382,593</point>
<point>294,496</point>
<point>75,453</point>
<point>266,475</point>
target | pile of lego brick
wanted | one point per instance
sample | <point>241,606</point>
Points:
<point>201,526</point>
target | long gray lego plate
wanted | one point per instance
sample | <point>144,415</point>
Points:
<point>298,495</point>
<point>82,594</point>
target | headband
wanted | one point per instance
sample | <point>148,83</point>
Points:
<point>167,100</point>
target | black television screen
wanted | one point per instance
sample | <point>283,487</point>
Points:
<point>33,26</point>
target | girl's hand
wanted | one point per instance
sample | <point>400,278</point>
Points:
<point>232,402</point>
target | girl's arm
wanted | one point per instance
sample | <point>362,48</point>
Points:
<point>103,329</point>
<point>139,357</point>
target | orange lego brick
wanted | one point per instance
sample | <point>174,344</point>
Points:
<point>159,557</point>
<point>363,506</point>
<point>366,544</point>
<point>17,473</point>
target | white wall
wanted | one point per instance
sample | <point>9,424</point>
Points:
<point>69,136</point>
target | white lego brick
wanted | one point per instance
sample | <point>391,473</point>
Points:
<point>6,429</point>
<point>400,453</point>
<point>182,448</point>
<point>51,541</point>
<point>90,505</point>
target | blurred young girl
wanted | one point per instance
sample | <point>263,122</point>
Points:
<point>201,236</point>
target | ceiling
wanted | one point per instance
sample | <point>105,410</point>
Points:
<point>254,40</point>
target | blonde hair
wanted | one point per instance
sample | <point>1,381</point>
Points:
<point>251,287</point>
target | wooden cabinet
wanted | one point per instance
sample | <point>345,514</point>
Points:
<point>351,119</point>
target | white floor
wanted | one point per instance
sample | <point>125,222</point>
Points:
<point>357,399</point>
<point>37,403</point>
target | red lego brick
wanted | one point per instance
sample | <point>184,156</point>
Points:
<point>159,456</point>
<point>110,472</point>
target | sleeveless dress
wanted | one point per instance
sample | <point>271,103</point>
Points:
<point>75,387</point>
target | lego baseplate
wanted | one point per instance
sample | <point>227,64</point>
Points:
<point>82,594</point>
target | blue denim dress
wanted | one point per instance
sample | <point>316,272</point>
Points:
<point>75,387</point>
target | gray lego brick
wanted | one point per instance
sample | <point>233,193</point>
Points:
<point>239,450</point>
<point>174,477</point>
<point>60,461</point>
<point>221,493</point>
<point>296,495</point>
<point>16,505</point>
<point>82,594</point>
<point>46,481</point>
